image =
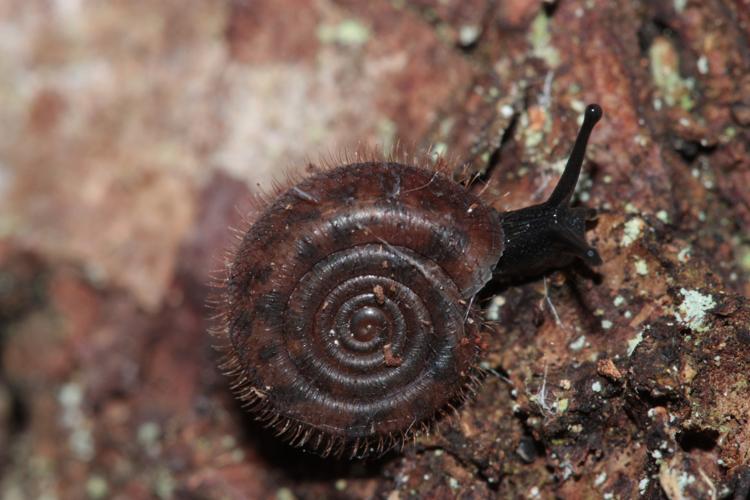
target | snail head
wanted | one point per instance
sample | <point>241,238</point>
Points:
<point>551,234</point>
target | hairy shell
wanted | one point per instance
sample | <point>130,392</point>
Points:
<point>347,308</point>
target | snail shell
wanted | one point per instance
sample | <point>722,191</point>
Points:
<point>346,305</point>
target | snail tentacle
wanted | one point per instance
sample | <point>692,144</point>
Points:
<point>566,186</point>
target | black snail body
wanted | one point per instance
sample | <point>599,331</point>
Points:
<point>348,312</point>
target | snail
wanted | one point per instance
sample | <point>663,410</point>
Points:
<point>347,308</point>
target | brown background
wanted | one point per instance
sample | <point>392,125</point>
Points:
<point>134,133</point>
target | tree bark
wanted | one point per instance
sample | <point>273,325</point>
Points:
<point>138,133</point>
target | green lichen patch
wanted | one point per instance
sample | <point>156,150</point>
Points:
<point>632,231</point>
<point>540,40</point>
<point>692,311</point>
<point>675,89</point>
<point>349,32</point>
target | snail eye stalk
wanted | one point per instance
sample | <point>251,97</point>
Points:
<point>566,186</point>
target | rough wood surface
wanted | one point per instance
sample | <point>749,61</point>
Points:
<point>135,133</point>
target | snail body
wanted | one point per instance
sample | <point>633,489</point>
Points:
<point>347,309</point>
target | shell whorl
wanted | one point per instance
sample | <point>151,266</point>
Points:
<point>347,301</point>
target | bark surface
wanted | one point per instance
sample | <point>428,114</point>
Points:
<point>136,133</point>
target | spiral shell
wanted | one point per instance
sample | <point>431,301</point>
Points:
<point>348,305</point>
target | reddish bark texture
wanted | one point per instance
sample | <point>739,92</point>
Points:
<point>135,134</point>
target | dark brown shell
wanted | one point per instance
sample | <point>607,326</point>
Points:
<point>347,307</point>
